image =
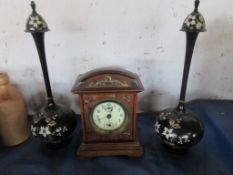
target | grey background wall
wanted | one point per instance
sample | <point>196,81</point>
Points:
<point>139,35</point>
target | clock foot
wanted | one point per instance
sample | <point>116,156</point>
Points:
<point>131,149</point>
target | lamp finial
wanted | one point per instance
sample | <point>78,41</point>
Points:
<point>197,2</point>
<point>33,5</point>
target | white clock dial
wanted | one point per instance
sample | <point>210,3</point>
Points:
<point>108,115</point>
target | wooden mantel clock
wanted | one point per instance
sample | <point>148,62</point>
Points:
<point>108,103</point>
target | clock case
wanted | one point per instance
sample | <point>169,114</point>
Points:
<point>111,84</point>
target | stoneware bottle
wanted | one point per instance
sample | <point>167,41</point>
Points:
<point>14,128</point>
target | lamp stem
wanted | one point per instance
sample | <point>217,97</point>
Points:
<point>190,43</point>
<point>39,41</point>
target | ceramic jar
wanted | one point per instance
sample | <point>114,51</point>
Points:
<point>14,128</point>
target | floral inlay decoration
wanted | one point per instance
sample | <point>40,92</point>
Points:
<point>36,23</point>
<point>194,22</point>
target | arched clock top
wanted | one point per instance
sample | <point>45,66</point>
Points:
<point>107,79</point>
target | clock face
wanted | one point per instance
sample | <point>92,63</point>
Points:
<point>108,116</point>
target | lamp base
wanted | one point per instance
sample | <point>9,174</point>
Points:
<point>179,130</point>
<point>54,125</point>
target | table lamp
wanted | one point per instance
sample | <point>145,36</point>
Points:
<point>54,123</point>
<point>179,128</point>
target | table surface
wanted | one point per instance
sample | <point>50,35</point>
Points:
<point>213,155</point>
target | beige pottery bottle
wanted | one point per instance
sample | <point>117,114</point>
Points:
<point>14,128</point>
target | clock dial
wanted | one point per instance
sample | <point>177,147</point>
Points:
<point>108,116</point>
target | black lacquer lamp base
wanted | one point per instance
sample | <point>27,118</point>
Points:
<point>54,125</point>
<point>179,130</point>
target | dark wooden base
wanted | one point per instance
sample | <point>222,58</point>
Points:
<point>90,150</point>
